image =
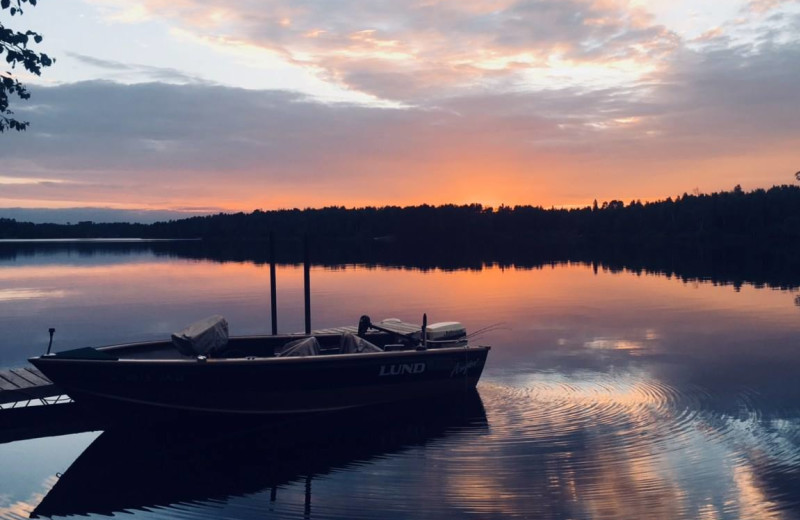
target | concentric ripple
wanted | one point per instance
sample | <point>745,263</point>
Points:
<point>625,443</point>
<point>628,412</point>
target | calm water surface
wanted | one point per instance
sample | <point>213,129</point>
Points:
<point>606,395</point>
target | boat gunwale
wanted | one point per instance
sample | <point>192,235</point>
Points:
<point>250,360</point>
<point>251,337</point>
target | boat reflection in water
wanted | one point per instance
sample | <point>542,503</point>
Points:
<point>126,468</point>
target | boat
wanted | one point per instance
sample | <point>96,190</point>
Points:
<point>203,371</point>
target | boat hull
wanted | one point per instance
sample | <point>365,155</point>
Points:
<point>266,386</point>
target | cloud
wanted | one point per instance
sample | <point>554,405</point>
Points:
<point>127,72</point>
<point>762,6</point>
<point>504,102</point>
<point>169,143</point>
<point>407,51</point>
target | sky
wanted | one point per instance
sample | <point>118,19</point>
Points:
<point>207,106</point>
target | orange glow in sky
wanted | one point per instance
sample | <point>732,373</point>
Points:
<point>246,107</point>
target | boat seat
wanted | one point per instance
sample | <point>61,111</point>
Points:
<point>301,347</point>
<point>352,344</point>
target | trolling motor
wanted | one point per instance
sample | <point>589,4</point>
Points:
<point>364,324</point>
<point>52,331</point>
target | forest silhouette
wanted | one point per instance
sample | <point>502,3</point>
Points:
<point>725,217</point>
<point>730,238</point>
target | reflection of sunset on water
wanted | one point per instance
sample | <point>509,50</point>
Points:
<point>621,447</point>
<point>607,393</point>
<point>567,305</point>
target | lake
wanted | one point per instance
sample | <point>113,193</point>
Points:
<point>609,392</point>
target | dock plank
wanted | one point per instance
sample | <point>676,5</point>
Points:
<point>31,376</point>
<point>22,384</point>
<point>23,374</point>
<point>37,372</point>
<point>27,394</point>
<point>13,378</point>
<point>6,385</point>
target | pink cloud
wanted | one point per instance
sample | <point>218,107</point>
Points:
<point>361,44</point>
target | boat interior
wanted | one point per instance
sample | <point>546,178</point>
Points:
<point>270,346</point>
<point>208,339</point>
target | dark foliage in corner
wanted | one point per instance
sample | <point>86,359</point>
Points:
<point>14,48</point>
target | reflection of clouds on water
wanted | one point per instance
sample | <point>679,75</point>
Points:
<point>24,508</point>
<point>621,446</point>
<point>557,450</point>
<point>615,344</point>
<point>28,470</point>
<point>590,445</point>
<point>608,395</point>
<point>22,293</point>
<point>19,509</point>
<point>575,352</point>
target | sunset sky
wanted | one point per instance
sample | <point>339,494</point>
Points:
<point>234,106</point>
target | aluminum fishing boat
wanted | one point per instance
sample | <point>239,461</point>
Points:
<point>202,371</point>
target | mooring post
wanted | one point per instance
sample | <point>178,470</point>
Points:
<point>273,290</point>
<point>307,283</point>
<point>307,508</point>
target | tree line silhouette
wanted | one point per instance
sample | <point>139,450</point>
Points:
<point>725,217</point>
<point>753,263</point>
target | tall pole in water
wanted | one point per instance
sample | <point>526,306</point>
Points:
<point>273,290</point>
<point>307,508</point>
<point>307,283</point>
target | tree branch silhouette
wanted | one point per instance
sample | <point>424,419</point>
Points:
<point>14,47</point>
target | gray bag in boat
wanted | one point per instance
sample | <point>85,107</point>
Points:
<point>203,337</point>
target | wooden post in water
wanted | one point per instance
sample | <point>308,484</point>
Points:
<point>273,290</point>
<point>307,508</point>
<point>307,283</point>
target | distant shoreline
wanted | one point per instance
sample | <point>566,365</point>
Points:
<point>728,217</point>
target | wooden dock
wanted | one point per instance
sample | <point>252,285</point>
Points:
<point>19,385</point>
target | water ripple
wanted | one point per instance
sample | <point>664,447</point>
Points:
<point>540,445</point>
<point>620,443</point>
